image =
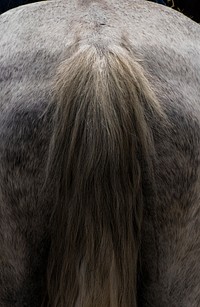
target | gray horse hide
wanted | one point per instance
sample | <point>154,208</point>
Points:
<point>33,42</point>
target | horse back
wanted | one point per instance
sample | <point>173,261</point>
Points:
<point>33,43</point>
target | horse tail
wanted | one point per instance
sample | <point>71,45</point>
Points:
<point>100,140</point>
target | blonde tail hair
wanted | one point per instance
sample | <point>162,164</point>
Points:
<point>100,140</point>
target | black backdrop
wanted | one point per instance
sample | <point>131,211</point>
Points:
<point>191,8</point>
<point>9,4</point>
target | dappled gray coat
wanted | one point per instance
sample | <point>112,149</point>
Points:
<point>99,155</point>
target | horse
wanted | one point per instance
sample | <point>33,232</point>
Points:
<point>99,155</point>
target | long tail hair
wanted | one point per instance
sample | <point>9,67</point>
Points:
<point>100,140</point>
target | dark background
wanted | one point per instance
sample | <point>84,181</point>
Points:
<point>191,8</point>
<point>9,4</point>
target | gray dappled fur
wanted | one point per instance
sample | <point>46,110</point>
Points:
<point>99,155</point>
